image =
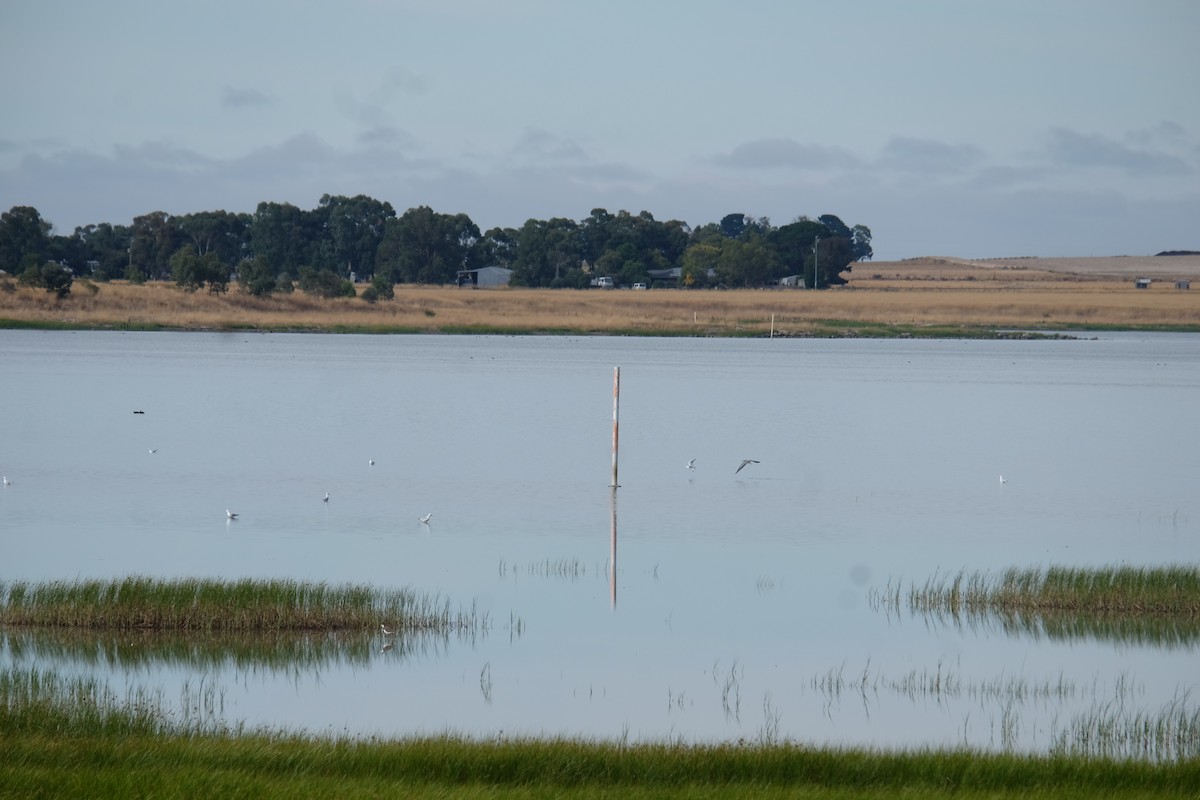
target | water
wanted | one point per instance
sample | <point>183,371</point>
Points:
<point>742,604</point>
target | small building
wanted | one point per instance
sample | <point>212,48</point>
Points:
<point>1142,283</point>
<point>484,276</point>
<point>1183,284</point>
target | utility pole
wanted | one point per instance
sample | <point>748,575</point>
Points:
<point>816,242</point>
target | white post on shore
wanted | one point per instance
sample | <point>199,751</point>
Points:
<point>772,325</point>
<point>616,421</point>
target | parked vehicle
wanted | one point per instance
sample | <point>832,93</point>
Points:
<point>639,286</point>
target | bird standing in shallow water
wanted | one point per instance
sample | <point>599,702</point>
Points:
<point>385,631</point>
<point>745,461</point>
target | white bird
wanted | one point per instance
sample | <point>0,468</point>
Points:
<point>153,450</point>
<point>692,465</point>
<point>230,514</point>
<point>1002,480</point>
<point>745,461</point>
<point>371,462</point>
<point>386,632</point>
<point>7,482</point>
<point>327,497</point>
<point>425,519</point>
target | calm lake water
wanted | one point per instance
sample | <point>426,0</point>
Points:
<point>743,603</point>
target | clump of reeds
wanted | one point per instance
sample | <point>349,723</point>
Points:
<point>217,605</point>
<point>1167,590</point>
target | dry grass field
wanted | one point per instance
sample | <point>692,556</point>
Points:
<point>931,296</point>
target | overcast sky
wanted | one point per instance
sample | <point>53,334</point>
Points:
<point>948,127</point>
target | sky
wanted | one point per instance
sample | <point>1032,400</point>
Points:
<point>964,128</point>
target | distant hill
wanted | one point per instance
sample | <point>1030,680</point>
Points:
<point>1179,253</point>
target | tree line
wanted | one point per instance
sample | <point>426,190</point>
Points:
<point>344,240</point>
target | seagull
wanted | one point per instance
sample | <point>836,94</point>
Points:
<point>327,497</point>
<point>745,461</point>
<point>385,631</point>
<point>1002,480</point>
<point>153,450</point>
<point>7,482</point>
<point>371,462</point>
<point>692,465</point>
<point>425,519</point>
<point>230,514</point>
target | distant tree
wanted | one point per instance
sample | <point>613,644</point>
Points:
<point>324,283</point>
<point>191,271</point>
<point>860,243</point>
<point>54,278</point>
<point>155,238</point>
<point>496,248</point>
<point>747,263</point>
<point>835,226</point>
<point>24,239</point>
<point>830,258</point>
<point>256,277</point>
<point>546,252</point>
<point>220,232</point>
<point>697,262</point>
<point>286,236</point>
<point>102,250</point>
<point>794,243</point>
<point>354,228</point>
<point>423,246</point>
<point>732,225</point>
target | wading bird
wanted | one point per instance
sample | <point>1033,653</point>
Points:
<point>741,466</point>
<point>385,631</point>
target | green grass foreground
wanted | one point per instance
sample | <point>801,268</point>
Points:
<point>216,605</point>
<point>71,737</point>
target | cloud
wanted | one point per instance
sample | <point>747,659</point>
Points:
<point>243,98</point>
<point>785,153</point>
<point>541,144</point>
<point>906,154</point>
<point>1071,148</point>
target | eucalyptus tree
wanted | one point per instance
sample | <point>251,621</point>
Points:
<point>24,239</point>
<point>222,233</point>
<point>354,227</point>
<point>423,246</point>
<point>103,247</point>
<point>154,238</point>
<point>547,251</point>
<point>286,236</point>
